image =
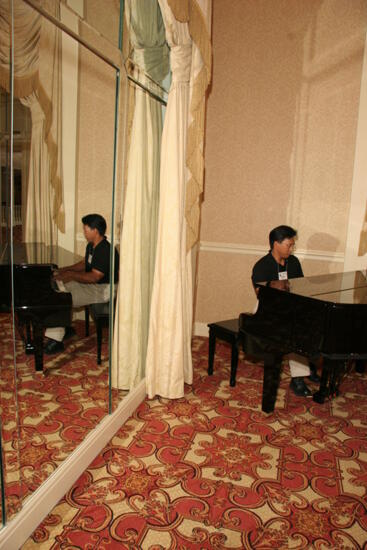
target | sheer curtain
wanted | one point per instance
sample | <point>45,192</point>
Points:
<point>169,364</point>
<point>37,82</point>
<point>139,235</point>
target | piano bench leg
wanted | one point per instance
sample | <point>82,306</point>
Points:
<point>212,339</point>
<point>234,363</point>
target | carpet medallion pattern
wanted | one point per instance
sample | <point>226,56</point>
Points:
<point>211,471</point>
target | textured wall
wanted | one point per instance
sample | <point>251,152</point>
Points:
<point>95,137</point>
<point>104,17</point>
<point>280,138</point>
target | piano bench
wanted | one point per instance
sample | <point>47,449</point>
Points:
<point>101,316</point>
<point>229,332</point>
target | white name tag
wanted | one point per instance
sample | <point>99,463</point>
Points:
<point>90,258</point>
<point>283,275</point>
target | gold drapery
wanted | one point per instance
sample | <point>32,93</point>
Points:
<point>37,61</point>
<point>188,11</point>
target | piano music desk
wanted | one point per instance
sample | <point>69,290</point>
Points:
<point>229,332</point>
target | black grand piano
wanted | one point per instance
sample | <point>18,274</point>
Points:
<point>38,302</point>
<point>314,316</point>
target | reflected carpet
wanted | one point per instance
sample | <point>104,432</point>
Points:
<point>56,409</point>
<point>211,471</point>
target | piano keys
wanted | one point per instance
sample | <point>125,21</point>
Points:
<point>38,303</point>
<point>324,315</point>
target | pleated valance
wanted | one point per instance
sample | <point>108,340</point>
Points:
<point>37,58</point>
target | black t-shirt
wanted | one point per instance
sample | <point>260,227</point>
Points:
<point>99,258</point>
<point>268,269</point>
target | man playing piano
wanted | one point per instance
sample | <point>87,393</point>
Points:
<point>280,265</point>
<point>87,280</point>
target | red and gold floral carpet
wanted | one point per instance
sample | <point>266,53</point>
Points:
<point>51,412</point>
<point>211,471</point>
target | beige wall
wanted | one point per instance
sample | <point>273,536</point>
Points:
<point>104,17</point>
<point>96,120</point>
<point>280,139</point>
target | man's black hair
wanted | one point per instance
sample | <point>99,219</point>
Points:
<point>280,233</point>
<point>95,221</point>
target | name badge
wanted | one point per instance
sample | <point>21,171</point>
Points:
<point>283,275</point>
<point>90,259</point>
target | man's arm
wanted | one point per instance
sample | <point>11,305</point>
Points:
<point>86,277</point>
<point>79,266</point>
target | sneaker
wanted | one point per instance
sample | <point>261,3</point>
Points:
<point>299,387</point>
<point>53,346</point>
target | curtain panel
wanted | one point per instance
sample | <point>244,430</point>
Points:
<point>138,239</point>
<point>197,14</point>
<point>37,78</point>
<point>169,363</point>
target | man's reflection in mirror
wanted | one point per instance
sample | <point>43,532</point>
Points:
<point>88,281</point>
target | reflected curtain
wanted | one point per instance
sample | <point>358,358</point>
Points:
<point>169,363</point>
<point>39,226</point>
<point>25,175</point>
<point>139,235</point>
<point>37,79</point>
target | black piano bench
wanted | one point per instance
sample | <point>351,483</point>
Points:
<point>101,317</point>
<point>227,331</point>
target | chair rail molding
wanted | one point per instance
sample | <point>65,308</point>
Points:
<point>258,250</point>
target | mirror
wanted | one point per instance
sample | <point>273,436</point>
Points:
<point>62,161</point>
<point>59,165</point>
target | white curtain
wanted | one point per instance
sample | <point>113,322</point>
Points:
<point>139,234</point>
<point>169,364</point>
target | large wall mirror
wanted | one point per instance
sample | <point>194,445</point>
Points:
<point>71,121</point>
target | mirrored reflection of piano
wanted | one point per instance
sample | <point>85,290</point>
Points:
<point>321,315</point>
<point>38,303</point>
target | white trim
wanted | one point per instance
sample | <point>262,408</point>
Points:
<point>37,506</point>
<point>257,250</point>
<point>201,329</point>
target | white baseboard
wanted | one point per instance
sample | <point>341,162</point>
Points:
<point>38,505</point>
<point>201,329</point>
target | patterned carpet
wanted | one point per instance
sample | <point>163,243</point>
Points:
<point>211,471</point>
<point>56,410</point>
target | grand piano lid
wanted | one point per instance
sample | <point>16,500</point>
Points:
<point>37,254</point>
<point>341,288</point>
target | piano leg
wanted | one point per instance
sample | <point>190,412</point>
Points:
<point>322,393</point>
<point>29,347</point>
<point>38,346</point>
<point>272,366</point>
<point>331,376</point>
